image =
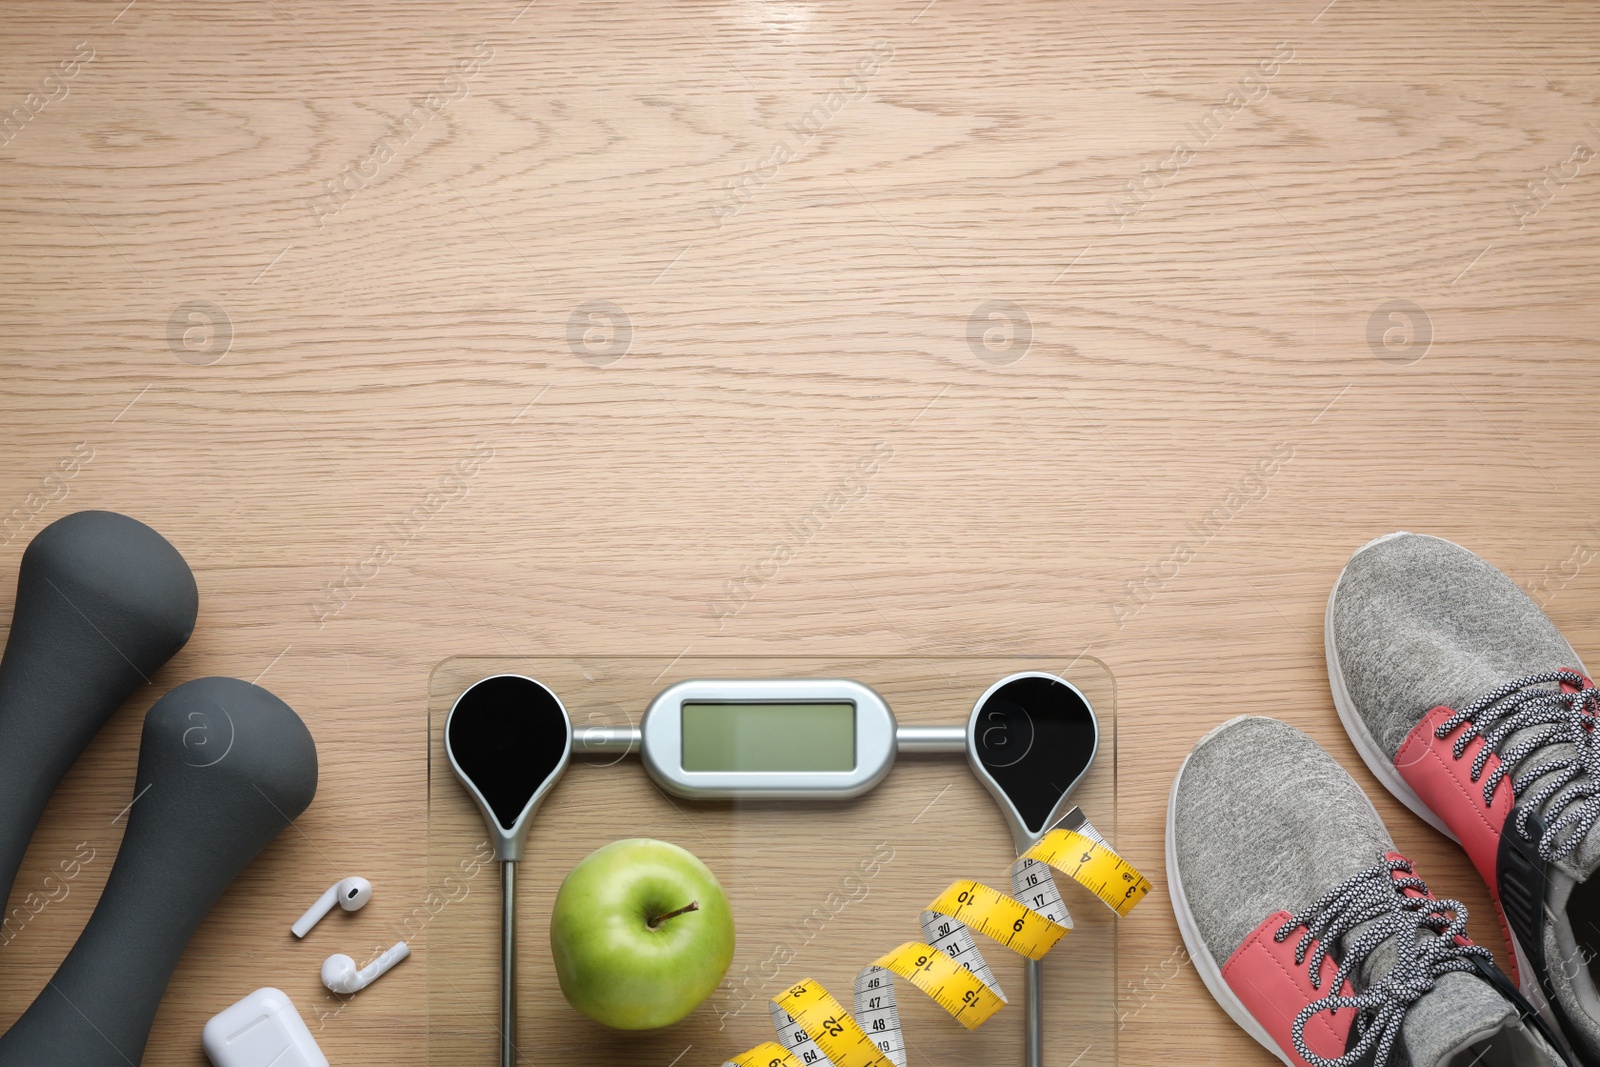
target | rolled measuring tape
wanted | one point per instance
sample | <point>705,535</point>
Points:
<point>814,1030</point>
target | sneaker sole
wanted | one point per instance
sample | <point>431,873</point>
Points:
<point>1204,965</point>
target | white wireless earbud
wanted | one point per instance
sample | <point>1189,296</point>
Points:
<point>340,975</point>
<point>351,894</point>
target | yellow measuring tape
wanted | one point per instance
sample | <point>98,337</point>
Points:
<point>814,1030</point>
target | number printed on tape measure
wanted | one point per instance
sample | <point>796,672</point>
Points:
<point>953,987</point>
<point>766,1054</point>
<point>815,1031</point>
<point>1093,866</point>
<point>827,1025</point>
<point>1000,918</point>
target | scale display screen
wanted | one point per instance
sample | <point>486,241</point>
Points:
<point>769,737</point>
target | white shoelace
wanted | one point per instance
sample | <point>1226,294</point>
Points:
<point>1572,786</point>
<point>1376,896</point>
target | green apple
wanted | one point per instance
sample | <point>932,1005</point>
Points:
<point>641,934</point>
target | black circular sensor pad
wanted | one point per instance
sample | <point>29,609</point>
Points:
<point>1035,736</point>
<point>508,735</point>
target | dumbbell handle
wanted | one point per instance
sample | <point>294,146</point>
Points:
<point>33,760</point>
<point>116,974</point>
<point>204,805</point>
<point>102,602</point>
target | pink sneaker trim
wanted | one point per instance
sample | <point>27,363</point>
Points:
<point>1263,974</point>
<point>1428,765</point>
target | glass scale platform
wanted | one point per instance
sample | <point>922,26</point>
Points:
<point>818,888</point>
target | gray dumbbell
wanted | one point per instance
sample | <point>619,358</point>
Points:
<point>224,766</point>
<point>102,602</point>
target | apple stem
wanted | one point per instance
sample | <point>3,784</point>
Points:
<point>693,905</point>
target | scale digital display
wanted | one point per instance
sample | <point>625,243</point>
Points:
<point>769,736</point>
<point>768,739</point>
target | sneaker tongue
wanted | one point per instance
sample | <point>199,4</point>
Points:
<point>1460,1011</point>
<point>1444,1023</point>
<point>1582,860</point>
<point>1585,859</point>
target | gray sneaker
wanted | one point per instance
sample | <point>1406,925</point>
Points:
<point>1312,932</point>
<point>1469,705</point>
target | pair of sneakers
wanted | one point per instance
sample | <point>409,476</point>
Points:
<point>1311,930</point>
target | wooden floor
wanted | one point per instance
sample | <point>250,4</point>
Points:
<point>510,328</point>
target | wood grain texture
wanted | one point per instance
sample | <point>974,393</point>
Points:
<point>1181,337</point>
